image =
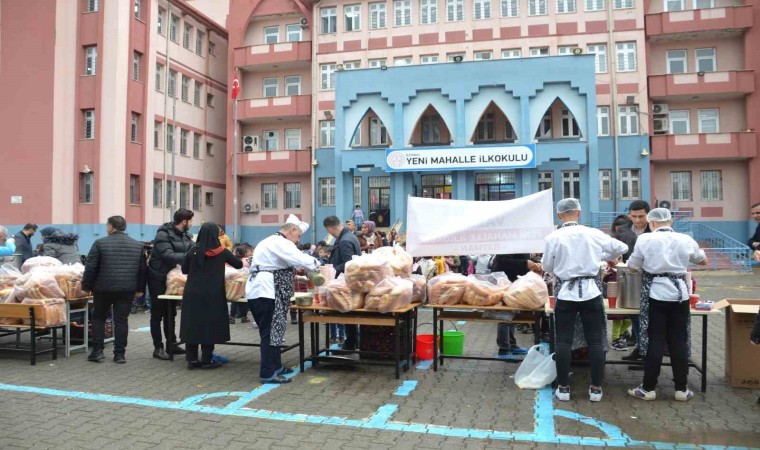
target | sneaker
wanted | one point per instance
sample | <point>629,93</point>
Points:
<point>96,356</point>
<point>277,380</point>
<point>684,396</point>
<point>620,345</point>
<point>159,353</point>
<point>594,394</point>
<point>563,393</point>
<point>285,371</point>
<point>518,351</point>
<point>634,356</point>
<point>119,358</point>
<point>639,392</point>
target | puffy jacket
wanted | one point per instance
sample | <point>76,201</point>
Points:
<point>169,248</point>
<point>63,247</point>
<point>116,263</point>
<point>23,245</point>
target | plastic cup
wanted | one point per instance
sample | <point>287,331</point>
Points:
<point>693,299</point>
<point>612,302</point>
<point>551,302</point>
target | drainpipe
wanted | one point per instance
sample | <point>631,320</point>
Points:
<point>166,107</point>
<point>613,103</point>
<point>315,130</point>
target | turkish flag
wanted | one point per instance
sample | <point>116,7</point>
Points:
<point>235,87</point>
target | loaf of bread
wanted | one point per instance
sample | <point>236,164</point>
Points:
<point>339,297</point>
<point>419,288</point>
<point>39,261</point>
<point>69,279</point>
<point>528,292</point>
<point>483,293</point>
<point>390,294</point>
<point>234,283</point>
<point>175,281</point>
<point>399,260</point>
<point>446,289</point>
<point>38,283</point>
<point>364,272</point>
<point>53,311</point>
<point>8,275</point>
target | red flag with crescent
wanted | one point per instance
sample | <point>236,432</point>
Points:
<point>235,87</point>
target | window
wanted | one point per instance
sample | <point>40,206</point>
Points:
<point>173,25</point>
<point>197,145</point>
<point>211,48</point>
<point>566,49</point>
<point>481,9</point>
<point>402,13</point>
<point>210,100</point>
<point>600,57</point>
<point>630,184</point>
<point>169,138</point>
<point>571,184</point>
<point>681,182</point>
<point>199,38</point>
<point>293,85</point>
<point>603,120</point>
<point>353,18</point>
<point>594,5</point>
<point>486,128</point>
<point>157,134</point>
<point>537,7</point>
<point>209,149</point>
<point>197,93</point>
<point>293,32</point>
<point>565,6</point>
<point>133,127</point>
<point>428,59</point>
<point>352,65</point>
<point>161,17</point>
<point>545,180</point>
<point>134,189</point>
<point>136,63</point>
<point>184,195</point>
<point>495,186</point>
<point>209,199</point>
<point>569,125</point>
<point>629,120</point>
<point>676,60</point>
<point>269,195</point>
<point>679,122</point>
<point>292,195</point>
<point>293,139</point>
<point>327,133</point>
<point>379,193</point>
<point>172,88</point>
<point>705,59</point>
<point>271,139</point>
<point>712,184</point>
<point>431,129</point>
<point>509,132</point>
<point>510,8</point>
<point>428,11</point>
<point>454,10</point>
<point>626,56</point>
<point>185,88</point>
<point>357,190</point>
<point>329,20</point>
<point>377,16</point>
<point>539,51</point>
<point>402,61</point>
<point>327,76</point>
<point>158,192</point>
<point>704,4</point>
<point>378,135</point>
<point>270,87</point>
<point>89,123</point>
<point>197,193</point>
<point>327,192</point>
<point>511,53</point>
<point>623,4</point>
<point>436,186</point>
<point>187,36</point>
<point>183,134</point>
<point>170,196</point>
<point>709,121</point>
<point>90,60</point>
<point>159,76</point>
<point>605,184</point>
<point>545,127</point>
<point>673,5</point>
<point>482,56</point>
<point>138,8</point>
<point>91,6</point>
<point>450,57</point>
<point>376,63</point>
<point>271,35</point>
<point>87,187</point>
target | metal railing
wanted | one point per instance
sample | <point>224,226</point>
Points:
<point>681,223</point>
<point>723,251</point>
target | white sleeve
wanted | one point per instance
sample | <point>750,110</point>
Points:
<point>611,247</point>
<point>696,255</point>
<point>296,258</point>
<point>636,260</point>
<point>547,260</point>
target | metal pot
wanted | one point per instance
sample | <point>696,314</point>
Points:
<point>629,288</point>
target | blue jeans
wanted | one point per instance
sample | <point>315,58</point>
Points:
<point>337,331</point>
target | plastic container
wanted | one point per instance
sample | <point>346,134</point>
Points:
<point>453,343</point>
<point>425,346</point>
<point>693,299</point>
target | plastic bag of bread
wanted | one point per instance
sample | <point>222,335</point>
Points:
<point>8,275</point>
<point>419,288</point>
<point>39,283</point>
<point>175,281</point>
<point>446,289</point>
<point>53,311</point>
<point>39,261</point>
<point>390,294</point>
<point>364,272</point>
<point>234,283</point>
<point>528,292</point>
<point>69,279</point>
<point>483,293</point>
<point>339,297</point>
<point>7,295</point>
<point>399,260</point>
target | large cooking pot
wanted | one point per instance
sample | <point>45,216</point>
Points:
<point>629,288</point>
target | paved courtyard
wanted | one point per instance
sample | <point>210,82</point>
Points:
<point>147,403</point>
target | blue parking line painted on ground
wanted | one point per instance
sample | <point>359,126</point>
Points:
<point>142,329</point>
<point>425,364</point>
<point>406,388</point>
<point>461,322</point>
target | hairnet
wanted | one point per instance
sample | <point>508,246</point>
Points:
<point>568,204</point>
<point>659,215</point>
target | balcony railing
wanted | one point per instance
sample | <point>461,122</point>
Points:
<point>264,55</point>
<point>274,162</point>
<point>734,145</point>
<point>704,84</point>
<point>660,25</point>
<point>271,107</point>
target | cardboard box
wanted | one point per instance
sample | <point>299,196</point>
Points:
<point>742,358</point>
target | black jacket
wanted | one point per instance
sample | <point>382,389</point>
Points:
<point>514,265</point>
<point>116,263</point>
<point>755,238</point>
<point>169,248</point>
<point>628,237</point>
<point>23,245</point>
<point>344,248</point>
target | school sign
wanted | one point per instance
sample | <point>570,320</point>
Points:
<point>505,156</point>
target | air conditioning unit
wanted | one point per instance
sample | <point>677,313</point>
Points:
<point>664,204</point>
<point>660,126</point>
<point>659,109</point>
<point>251,144</point>
<point>251,208</point>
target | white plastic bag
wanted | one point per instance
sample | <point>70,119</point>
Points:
<point>537,369</point>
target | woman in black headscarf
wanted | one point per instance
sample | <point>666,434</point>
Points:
<point>204,304</point>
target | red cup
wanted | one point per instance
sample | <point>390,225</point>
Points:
<point>612,302</point>
<point>693,299</point>
<point>551,302</point>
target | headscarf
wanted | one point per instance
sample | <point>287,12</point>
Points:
<point>207,244</point>
<point>47,231</point>
<point>370,227</point>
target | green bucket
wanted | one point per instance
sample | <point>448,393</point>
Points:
<point>453,343</point>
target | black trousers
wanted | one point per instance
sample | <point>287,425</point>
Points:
<point>505,336</point>
<point>271,357</point>
<point>159,311</point>
<point>121,303</point>
<point>191,354</point>
<point>593,318</point>
<point>667,324</point>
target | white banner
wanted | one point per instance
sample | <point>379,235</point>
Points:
<point>439,227</point>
